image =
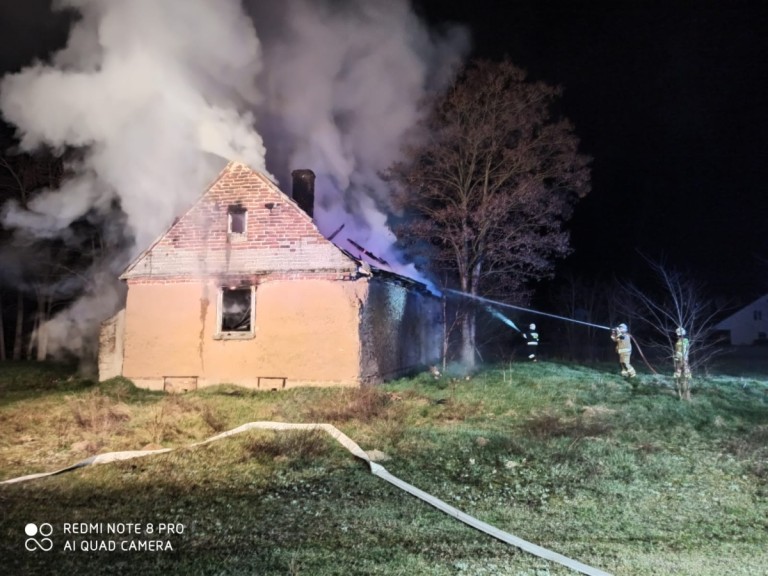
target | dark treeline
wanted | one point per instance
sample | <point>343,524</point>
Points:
<point>44,266</point>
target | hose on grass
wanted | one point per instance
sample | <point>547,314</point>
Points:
<point>376,470</point>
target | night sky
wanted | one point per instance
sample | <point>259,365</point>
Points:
<point>668,97</point>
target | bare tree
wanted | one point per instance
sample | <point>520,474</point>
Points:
<point>13,185</point>
<point>490,183</point>
<point>678,301</point>
<point>21,176</point>
<point>2,330</point>
<point>18,335</point>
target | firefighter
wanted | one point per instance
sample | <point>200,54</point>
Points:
<point>682,368</point>
<point>533,342</point>
<point>623,340</point>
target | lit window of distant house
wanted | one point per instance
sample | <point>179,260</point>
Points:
<point>236,312</point>
<point>758,315</point>
<point>237,220</point>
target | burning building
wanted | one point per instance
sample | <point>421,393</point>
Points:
<point>244,289</point>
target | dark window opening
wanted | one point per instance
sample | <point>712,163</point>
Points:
<point>237,220</point>
<point>758,315</point>
<point>236,307</point>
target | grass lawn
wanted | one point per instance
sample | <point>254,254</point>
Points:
<point>624,478</point>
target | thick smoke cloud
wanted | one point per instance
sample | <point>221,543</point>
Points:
<point>158,95</point>
<point>154,91</point>
<point>343,82</point>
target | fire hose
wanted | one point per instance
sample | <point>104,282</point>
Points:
<point>376,470</point>
<point>643,356</point>
<point>509,322</point>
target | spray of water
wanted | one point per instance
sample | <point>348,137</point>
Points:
<point>531,311</point>
<point>496,314</point>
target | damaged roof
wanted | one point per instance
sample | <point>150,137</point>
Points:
<point>283,238</point>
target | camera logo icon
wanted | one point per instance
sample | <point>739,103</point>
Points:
<point>38,537</point>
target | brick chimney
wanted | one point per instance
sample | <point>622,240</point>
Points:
<point>304,190</point>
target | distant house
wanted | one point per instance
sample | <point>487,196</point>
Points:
<point>749,325</point>
<point>244,289</point>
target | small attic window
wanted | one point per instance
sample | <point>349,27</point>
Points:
<point>236,312</point>
<point>237,220</point>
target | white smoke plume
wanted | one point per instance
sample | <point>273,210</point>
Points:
<point>343,82</point>
<point>159,94</point>
<point>154,91</point>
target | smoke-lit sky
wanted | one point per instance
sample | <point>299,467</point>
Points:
<point>668,96</point>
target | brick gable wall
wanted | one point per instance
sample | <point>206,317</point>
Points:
<point>280,238</point>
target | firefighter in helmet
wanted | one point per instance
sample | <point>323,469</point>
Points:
<point>533,342</point>
<point>682,368</point>
<point>623,340</point>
